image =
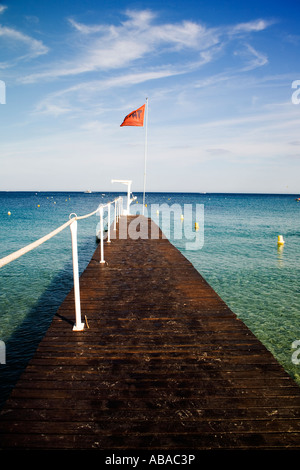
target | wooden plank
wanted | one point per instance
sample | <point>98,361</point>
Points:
<point>164,364</point>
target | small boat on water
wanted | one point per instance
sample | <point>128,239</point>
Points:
<point>88,191</point>
<point>297,199</point>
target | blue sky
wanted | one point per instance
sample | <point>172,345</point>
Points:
<point>218,76</point>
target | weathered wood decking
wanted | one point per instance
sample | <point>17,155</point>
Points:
<point>164,364</point>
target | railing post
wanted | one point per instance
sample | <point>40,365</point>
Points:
<point>101,237</point>
<point>108,224</point>
<point>115,215</point>
<point>79,326</point>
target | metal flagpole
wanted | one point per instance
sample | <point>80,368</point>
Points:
<point>146,129</point>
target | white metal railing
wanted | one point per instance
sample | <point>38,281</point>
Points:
<point>72,222</point>
<point>117,213</point>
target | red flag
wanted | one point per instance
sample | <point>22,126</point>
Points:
<point>136,118</point>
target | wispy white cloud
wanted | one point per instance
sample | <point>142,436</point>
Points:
<point>139,38</point>
<point>36,47</point>
<point>89,88</point>
<point>292,38</point>
<point>24,47</point>
<point>85,29</point>
<point>21,46</point>
<point>250,26</point>
<point>252,57</point>
<point>47,107</point>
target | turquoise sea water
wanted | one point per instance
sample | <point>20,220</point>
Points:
<point>239,258</point>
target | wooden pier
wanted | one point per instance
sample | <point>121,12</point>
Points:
<point>162,364</point>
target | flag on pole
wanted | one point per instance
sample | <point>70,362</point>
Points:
<point>135,118</point>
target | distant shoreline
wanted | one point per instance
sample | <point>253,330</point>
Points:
<point>101,192</point>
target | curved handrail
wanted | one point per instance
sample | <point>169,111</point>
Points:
<point>22,251</point>
<point>72,222</point>
<point>16,254</point>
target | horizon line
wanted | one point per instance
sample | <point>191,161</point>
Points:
<point>140,191</point>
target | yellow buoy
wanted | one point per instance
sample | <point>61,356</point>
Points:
<point>280,240</point>
<point>9,213</point>
<point>39,205</point>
